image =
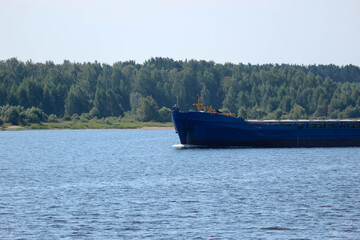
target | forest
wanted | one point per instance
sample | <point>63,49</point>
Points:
<point>39,92</point>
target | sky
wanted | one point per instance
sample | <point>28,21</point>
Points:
<point>237,31</point>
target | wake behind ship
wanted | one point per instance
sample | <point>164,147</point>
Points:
<point>208,127</point>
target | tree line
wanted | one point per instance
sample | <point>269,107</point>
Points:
<point>147,91</point>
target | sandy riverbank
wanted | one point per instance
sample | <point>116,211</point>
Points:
<point>10,128</point>
<point>156,128</point>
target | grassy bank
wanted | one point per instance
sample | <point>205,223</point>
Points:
<point>92,124</point>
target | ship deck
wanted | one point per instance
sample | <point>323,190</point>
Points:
<point>332,123</point>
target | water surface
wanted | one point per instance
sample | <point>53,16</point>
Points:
<point>104,184</point>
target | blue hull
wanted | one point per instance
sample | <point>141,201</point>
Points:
<point>215,130</point>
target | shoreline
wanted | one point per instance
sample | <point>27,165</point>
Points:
<point>155,128</point>
<point>21,128</point>
<point>78,125</point>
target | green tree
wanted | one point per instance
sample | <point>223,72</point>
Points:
<point>107,104</point>
<point>35,115</point>
<point>351,112</point>
<point>297,112</point>
<point>264,91</point>
<point>230,100</point>
<point>11,114</point>
<point>143,82</point>
<point>147,110</point>
<point>77,101</point>
<point>164,114</point>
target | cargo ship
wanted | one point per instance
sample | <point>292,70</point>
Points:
<point>211,128</point>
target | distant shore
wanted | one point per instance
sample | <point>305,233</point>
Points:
<point>78,125</point>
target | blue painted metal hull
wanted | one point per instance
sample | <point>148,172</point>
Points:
<point>208,129</point>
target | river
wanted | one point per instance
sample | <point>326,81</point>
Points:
<point>134,184</point>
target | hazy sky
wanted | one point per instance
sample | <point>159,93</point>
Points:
<point>248,31</point>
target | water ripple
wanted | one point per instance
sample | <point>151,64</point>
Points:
<point>110,184</point>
